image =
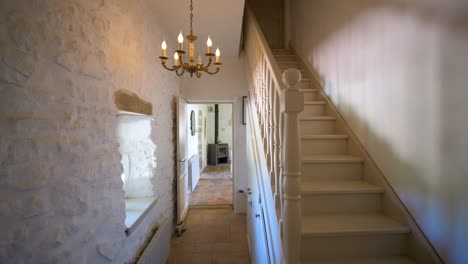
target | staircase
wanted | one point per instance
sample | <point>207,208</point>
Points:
<point>342,213</point>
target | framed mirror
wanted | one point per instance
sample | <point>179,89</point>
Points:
<point>192,123</point>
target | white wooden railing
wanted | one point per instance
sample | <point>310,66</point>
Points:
<point>278,102</point>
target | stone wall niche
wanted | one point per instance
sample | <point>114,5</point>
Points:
<point>133,129</point>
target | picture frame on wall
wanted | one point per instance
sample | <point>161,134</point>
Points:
<point>244,110</point>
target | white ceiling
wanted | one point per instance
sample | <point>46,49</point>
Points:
<point>221,19</point>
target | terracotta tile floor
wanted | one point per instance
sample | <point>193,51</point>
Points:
<point>214,187</point>
<point>213,236</point>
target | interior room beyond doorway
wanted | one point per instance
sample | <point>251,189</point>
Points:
<point>210,144</point>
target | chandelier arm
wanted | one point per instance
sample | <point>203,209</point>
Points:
<point>209,62</point>
<point>180,59</point>
<point>181,73</point>
<point>167,68</point>
<point>211,73</point>
<point>198,74</point>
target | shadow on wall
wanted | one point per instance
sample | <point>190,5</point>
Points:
<point>397,71</point>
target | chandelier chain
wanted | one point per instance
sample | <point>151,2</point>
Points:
<point>191,16</point>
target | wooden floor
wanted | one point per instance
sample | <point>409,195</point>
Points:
<point>213,236</point>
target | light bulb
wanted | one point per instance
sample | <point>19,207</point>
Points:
<point>176,59</point>
<point>217,55</point>
<point>180,38</point>
<point>208,42</point>
<point>164,47</point>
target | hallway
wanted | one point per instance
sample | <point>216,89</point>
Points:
<point>213,236</point>
<point>214,187</point>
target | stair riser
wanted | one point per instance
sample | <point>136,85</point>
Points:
<point>305,85</point>
<point>313,110</point>
<point>289,64</point>
<point>347,246</point>
<point>324,146</point>
<point>332,171</point>
<point>288,61</point>
<point>281,52</point>
<point>318,127</point>
<point>313,204</point>
<point>310,96</point>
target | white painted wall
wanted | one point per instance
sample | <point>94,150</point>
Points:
<point>397,72</point>
<point>229,84</point>
<point>61,195</point>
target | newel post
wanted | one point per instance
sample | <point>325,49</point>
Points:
<point>292,103</point>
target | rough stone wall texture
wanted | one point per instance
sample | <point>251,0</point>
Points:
<point>61,195</point>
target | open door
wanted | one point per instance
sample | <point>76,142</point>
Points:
<point>182,164</point>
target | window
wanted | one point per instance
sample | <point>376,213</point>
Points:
<point>139,164</point>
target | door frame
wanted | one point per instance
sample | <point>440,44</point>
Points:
<point>234,156</point>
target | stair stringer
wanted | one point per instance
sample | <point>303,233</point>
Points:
<point>419,247</point>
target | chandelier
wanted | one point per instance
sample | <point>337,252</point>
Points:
<point>180,67</point>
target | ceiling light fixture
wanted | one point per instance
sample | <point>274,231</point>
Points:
<point>180,67</point>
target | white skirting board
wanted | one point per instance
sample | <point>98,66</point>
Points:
<point>158,249</point>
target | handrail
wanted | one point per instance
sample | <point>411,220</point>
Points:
<point>271,62</point>
<point>277,106</point>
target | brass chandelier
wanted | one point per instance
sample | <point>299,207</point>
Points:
<point>180,67</point>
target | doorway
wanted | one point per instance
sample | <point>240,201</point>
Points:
<point>210,143</point>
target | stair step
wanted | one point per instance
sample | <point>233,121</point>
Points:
<point>340,197</point>
<point>289,63</point>
<point>331,167</point>
<point>331,144</point>
<point>315,108</point>
<point>331,159</point>
<point>310,94</point>
<point>377,260</point>
<point>358,224</point>
<point>282,51</point>
<point>340,187</point>
<point>352,236</point>
<point>317,125</point>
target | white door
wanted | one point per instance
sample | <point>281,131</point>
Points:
<point>182,163</point>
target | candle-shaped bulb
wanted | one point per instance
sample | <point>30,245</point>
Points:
<point>176,59</point>
<point>218,53</point>
<point>199,59</point>
<point>164,47</point>
<point>180,38</point>
<point>208,42</point>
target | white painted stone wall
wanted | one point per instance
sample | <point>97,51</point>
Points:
<point>61,195</point>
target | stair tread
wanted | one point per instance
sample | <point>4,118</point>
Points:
<point>309,90</point>
<point>353,224</point>
<point>315,103</point>
<point>339,187</point>
<point>378,260</point>
<point>316,118</point>
<point>331,158</point>
<point>327,136</point>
